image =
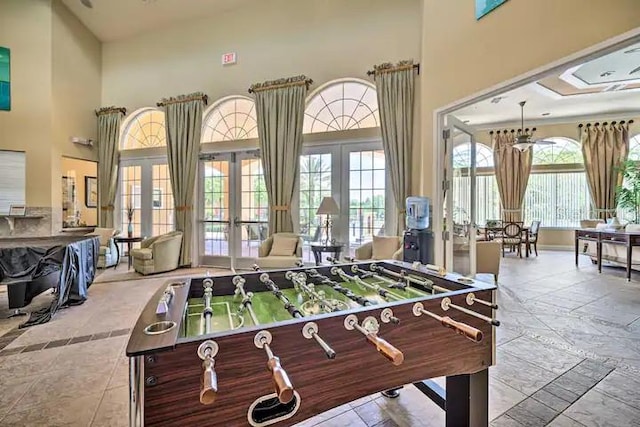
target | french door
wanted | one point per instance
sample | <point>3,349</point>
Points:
<point>355,176</point>
<point>233,208</point>
<point>460,199</point>
<point>145,188</point>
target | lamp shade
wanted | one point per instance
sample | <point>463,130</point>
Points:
<point>328,206</point>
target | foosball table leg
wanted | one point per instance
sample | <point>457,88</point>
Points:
<point>467,400</point>
<point>136,391</point>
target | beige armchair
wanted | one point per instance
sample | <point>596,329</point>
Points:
<point>108,254</point>
<point>158,254</point>
<point>280,250</point>
<point>382,247</point>
<point>488,258</point>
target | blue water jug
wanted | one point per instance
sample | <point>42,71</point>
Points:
<point>417,213</point>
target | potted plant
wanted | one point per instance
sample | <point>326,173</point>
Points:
<point>628,194</point>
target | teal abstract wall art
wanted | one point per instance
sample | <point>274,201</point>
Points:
<point>485,6</point>
<point>5,79</point>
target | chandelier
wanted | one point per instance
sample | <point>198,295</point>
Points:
<point>524,138</point>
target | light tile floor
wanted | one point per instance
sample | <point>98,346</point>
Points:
<point>568,355</point>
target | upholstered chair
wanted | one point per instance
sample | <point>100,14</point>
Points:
<point>108,254</point>
<point>280,250</point>
<point>158,254</point>
<point>382,247</point>
<point>488,258</point>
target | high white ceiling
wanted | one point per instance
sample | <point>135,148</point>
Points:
<point>604,86</point>
<point>112,20</point>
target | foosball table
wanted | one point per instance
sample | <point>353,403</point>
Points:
<point>278,347</point>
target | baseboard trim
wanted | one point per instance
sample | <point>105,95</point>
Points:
<point>556,248</point>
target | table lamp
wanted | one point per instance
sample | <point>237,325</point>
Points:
<point>328,207</point>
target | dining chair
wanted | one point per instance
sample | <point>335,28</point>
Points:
<point>533,236</point>
<point>511,237</point>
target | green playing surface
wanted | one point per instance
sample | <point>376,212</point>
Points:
<point>269,309</point>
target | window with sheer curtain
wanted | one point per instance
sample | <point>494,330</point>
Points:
<point>557,193</point>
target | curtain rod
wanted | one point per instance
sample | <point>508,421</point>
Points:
<point>277,84</point>
<point>179,99</point>
<point>512,130</point>
<point>108,110</point>
<point>605,123</point>
<point>415,66</point>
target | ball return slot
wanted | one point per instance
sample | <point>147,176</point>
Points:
<point>370,331</point>
<point>428,284</point>
<point>209,388</point>
<point>292,309</point>
<point>281,381</point>
<point>461,328</point>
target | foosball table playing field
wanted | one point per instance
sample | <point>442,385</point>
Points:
<point>278,347</point>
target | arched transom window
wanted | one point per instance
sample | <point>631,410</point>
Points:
<point>564,151</point>
<point>634,148</point>
<point>145,130</point>
<point>462,156</point>
<point>342,105</point>
<point>230,119</point>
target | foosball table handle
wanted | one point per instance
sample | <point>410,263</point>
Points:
<point>387,350</point>
<point>283,385</point>
<point>209,388</point>
<point>463,329</point>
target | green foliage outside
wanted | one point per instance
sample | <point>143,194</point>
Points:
<point>628,194</point>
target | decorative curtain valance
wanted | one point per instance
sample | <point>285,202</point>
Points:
<point>281,83</point>
<point>605,147</point>
<point>183,116</point>
<point>512,168</point>
<point>388,67</point>
<point>109,120</point>
<point>395,87</point>
<point>280,112</point>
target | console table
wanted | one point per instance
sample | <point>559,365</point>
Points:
<point>610,237</point>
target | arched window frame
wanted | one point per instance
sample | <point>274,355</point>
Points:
<point>353,123</point>
<point>134,120</point>
<point>248,129</point>
<point>484,156</point>
<point>634,148</point>
<point>564,155</point>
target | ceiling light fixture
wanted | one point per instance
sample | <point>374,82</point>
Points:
<point>524,139</point>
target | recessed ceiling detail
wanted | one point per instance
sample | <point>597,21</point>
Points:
<point>616,67</point>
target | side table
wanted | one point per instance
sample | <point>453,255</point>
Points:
<point>129,241</point>
<point>318,249</point>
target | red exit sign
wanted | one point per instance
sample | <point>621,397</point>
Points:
<point>229,58</point>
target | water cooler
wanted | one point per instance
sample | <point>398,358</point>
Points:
<point>418,238</point>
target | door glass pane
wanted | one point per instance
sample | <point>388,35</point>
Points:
<point>162,200</point>
<point>315,183</point>
<point>216,207</point>
<point>461,194</point>
<point>254,207</point>
<point>131,194</point>
<point>366,197</point>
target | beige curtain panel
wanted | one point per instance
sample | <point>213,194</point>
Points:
<point>183,116</point>
<point>280,112</point>
<point>604,148</point>
<point>109,120</point>
<point>395,85</point>
<point>512,168</point>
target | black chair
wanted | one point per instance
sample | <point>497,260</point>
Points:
<point>512,237</point>
<point>533,236</point>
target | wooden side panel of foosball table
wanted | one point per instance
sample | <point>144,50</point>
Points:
<point>430,350</point>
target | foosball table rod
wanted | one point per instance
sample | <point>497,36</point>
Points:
<point>394,284</point>
<point>309,331</point>
<point>446,304</point>
<point>427,284</point>
<point>207,351</point>
<point>395,356</point>
<point>239,282</point>
<point>207,313</point>
<point>381,291</point>
<point>324,280</point>
<point>281,381</point>
<point>300,281</point>
<point>294,312</point>
<point>468,331</point>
